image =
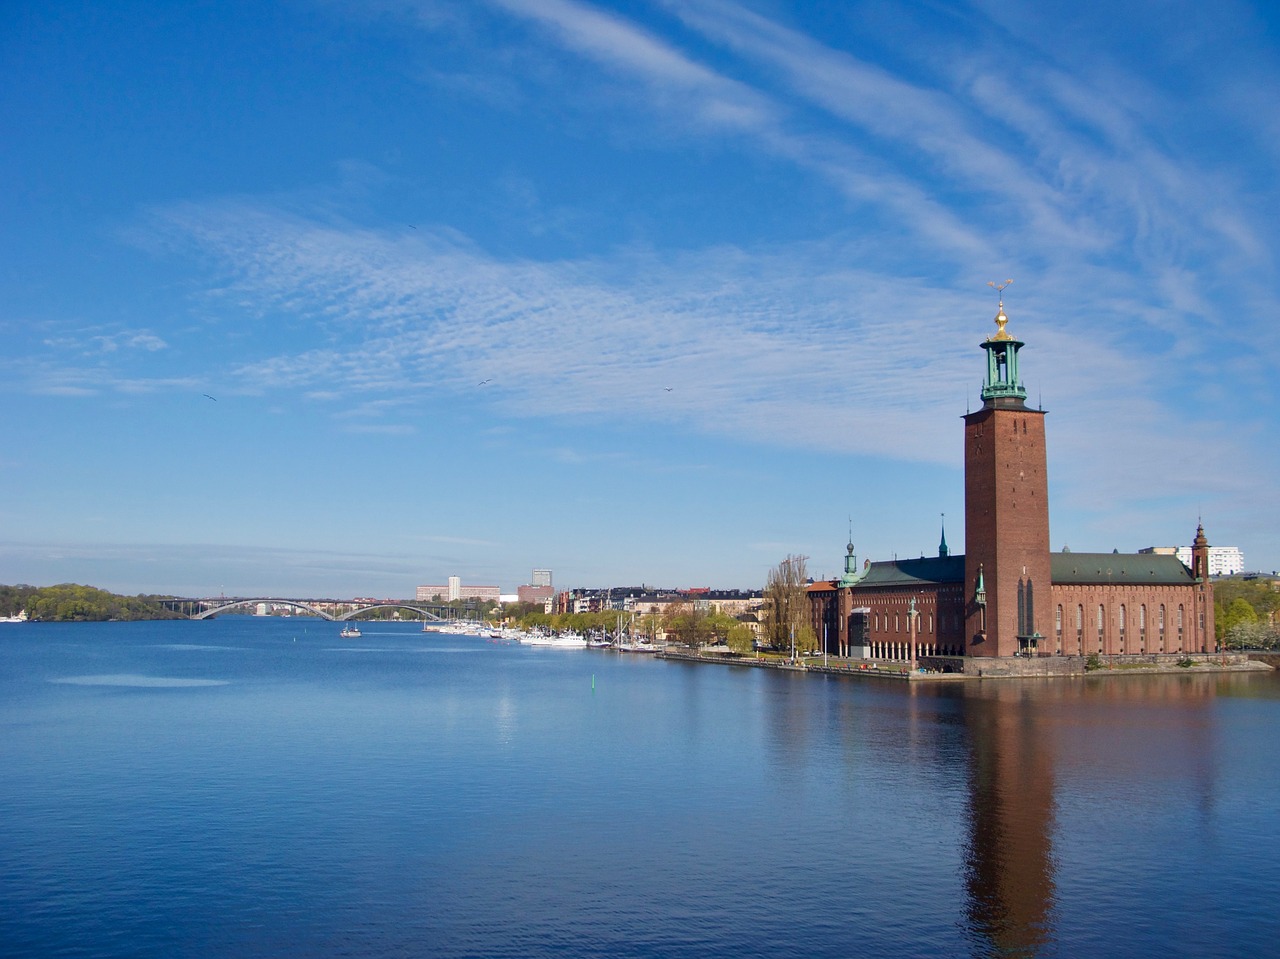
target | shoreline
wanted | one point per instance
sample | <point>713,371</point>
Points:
<point>1056,667</point>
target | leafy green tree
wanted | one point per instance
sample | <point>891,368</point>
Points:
<point>740,638</point>
<point>1259,594</point>
<point>71,602</point>
<point>1238,612</point>
<point>686,623</point>
<point>787,607</point>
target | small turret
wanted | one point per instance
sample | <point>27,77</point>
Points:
<point>1200,554</point>
<point>851,572</point>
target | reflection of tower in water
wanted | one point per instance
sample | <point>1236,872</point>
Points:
<point>1009,860</point>
<point>1109,740</point>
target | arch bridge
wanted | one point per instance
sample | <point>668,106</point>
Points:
<point>208,608</point>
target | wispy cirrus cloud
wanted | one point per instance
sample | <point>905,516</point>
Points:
<point>988,159</point>
<point>92,342</point>
<point>790,348</point>
<point>764,346</point>
<point>621,45</point>
<point>692,94</point>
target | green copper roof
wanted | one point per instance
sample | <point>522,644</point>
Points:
<point>909,572</point>
<point>1002,382</point>
<point>1068,569</point>
<point>1138,569</point>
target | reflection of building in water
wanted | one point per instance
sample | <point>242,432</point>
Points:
<point>1008,595</point>
<point>1100,743</point>
<point>1009,859</point>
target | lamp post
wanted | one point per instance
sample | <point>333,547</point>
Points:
<point>912,615</point>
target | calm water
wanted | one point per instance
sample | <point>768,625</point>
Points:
<point>261,787</point>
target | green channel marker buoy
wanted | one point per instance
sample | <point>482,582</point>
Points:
<point>593,682</point>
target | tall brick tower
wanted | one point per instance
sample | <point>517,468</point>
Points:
<point>1006,511</point>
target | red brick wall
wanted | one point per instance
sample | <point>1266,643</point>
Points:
<point>1006,524</point>
<point>940,628</point>
<point>1122,620</point>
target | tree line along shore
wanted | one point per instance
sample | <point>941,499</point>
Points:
<point>72,603</point>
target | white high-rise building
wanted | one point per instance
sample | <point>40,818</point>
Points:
<point>1223,560</point>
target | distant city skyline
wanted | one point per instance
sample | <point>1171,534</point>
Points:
<point>313,298</point>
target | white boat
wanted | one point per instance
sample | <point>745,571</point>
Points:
<point>350,631</point>
<point>560,641</point>
<point>20,618</point>
<point>644,647</point>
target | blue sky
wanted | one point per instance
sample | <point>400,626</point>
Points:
<point>640,291</point>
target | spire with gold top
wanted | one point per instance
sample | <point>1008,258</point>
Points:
<point>1002,387</point>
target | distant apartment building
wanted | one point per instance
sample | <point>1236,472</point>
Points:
<point>1223,560</point>
<point>534,594</point>
<point>455,590</point>
<point>538,589</point>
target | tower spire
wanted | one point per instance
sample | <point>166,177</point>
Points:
<point>851,572</point>
<point>943,551</point>
<point>1002,387</point>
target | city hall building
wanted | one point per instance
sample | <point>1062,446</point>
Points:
<point>1009,595</point>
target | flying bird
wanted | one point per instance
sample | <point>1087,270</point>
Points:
<point>483,382</point>
<point>667,388</point>
<point>214,398</point>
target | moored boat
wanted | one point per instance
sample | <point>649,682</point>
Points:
<point>558,640</point>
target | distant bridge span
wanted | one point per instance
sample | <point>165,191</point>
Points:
<point>424,612</point>
<point>437,614</point>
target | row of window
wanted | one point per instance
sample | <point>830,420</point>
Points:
<point>1123,618</point>
<point>899,622</point>
<point>1125,633</point>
